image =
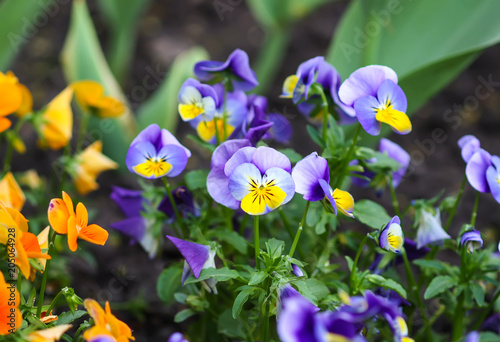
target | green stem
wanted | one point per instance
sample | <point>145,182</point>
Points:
<point>345,164</point>
<point>178,216</point>
<point>45,275</point>
<point>324,104</point>
<point>266,322</point>
<point>458,318</point>
<point>81,130</point>
<point>395,202</point>
<point>256,241</point>
<point>474,211</point>
<point>54,301</point>
<point>217,137</point>
<point>485,313</point>
<point>19,284</point>
<point>10,146</point>
<point>355,264</point>
<point>455,205</point>
<point>299,230</point>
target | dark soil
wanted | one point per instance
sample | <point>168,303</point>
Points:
<point>124,273</point>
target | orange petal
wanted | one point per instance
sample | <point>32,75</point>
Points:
<point>109,107</point>
<point>58,215</point>
<point>87,93</point>
<point>72,234</point>
<point>49,335</point>
<point>4,124</point>
<point>27,102</point>
<point>12,97</point>
<point>82,216</point>
<point>69,203</point>
<point>95,311</point>
<point>58,121</point>
<point>10,193</point>
<point>94,234</point>
<point>30,242</point>
<point>22,260</point>
<point>19,220</point>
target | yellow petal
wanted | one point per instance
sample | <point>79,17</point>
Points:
<point>10,193</point>
<point>189,111</point>
<point>288,86</point>
<point>344,202</point>
<point>398,121</point>
<point>49,335</point>
<point>109,107</point>
<point>87,93</point>
<point>11,96</point>
<point>26,103</point>
<point>57,129</point>
<point>150,167</point>
<point>255,202</point>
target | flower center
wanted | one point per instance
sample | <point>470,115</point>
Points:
<point>191,110</point>
<point>262,194</point>
<point>156,167</point>
<point>399,121</point>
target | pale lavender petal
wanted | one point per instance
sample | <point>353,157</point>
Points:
<point>297,271</point>
<point>306,73</point>
<point>283,180</point>
<point>476,170</point>
<point>226,150</point>
<point>296,322</point>
<point>365,108</point>
<point>327,191</point>
<point>218,188</point>
<point>281,130</point>
<point>195,254</point>
<point>258,130</point>
<point>243,155</point>
<point>139,153</point>
<point>129,201</point>
<point>473,336</point>
<point>168,138</point>
<point>306,174</point>
<point>365,82</point>
<point>177,337</point>
<point>397,153</point>
<point>175,156</point>
<point>267,157</point>
<point>430,230</point>
<point>470,147</point>
<point>493,177</point>
<point>240,181</point>
<point>150,134</point>
<point>390,91</point>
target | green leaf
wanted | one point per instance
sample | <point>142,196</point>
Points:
<point>439,285</point>
<point>229,326</point>
<point>305,291</point>
<point>317,288</point>
<point>161,107</point>
<point>370,213</point>
<point>384,32</point>
<point>315,136</point>
<point>350,262</point>
<point>220,274</point>
<point>433,265</point>
<point>19,22</point>
<point>68,317</point>
<point>387,283</point>
<point>257,278</point>
<point>240,300</point>
<point>181,316</point>
<point>196,179</point>
<point>168,282</point>
<point>82,59</point>
<point>275,248</point>
<point>233,238</point>
<point>478,293</point>
<point>291,154</point>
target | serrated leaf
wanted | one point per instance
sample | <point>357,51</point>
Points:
<point>68,317</point>
<point>168,282</point>
<point>257,278</point>
<point>370,213</point>
<point>274,248</point>
<point>196,179</point>
<point>220,274</point>
<point>387,283</point>
<point>439,285</point>
<point>240,300</point>
<point>181,316</point>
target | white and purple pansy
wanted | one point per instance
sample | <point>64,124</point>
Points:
<point>376,97</point>
<point>197,99</point>
<point>471,240</point>
<point>391,236</point>
<point>156,153</point>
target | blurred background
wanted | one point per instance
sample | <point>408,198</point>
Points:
<point>445,53</point>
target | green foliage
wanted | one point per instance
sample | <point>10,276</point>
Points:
<point>370,213</point>
<point>438,285</point>
<point>168,283</point>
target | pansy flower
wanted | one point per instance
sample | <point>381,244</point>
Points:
<point>11,194</point>
<point>55,123</point>
<point>105,323</point>
<point>197,99</point>
<point>374,94</point>
<point>156,153</point>
<point>236,69</point>
<point>15,98</point>
<point>312,176</point>
<point>257,180</point>
<point>196,257</point>
<point>177,337</point>
<point>256,124</point>
<point>90,96</point>
<point>471,240</point>
<point>184,201</point>
<point>48,335</point>
<point>286,292</point>
<point>430,230</point>
<point>65,220</point>
<point>10,316</point>
<point>227,120</point>
<point>469,145</point>
<point>88,165</point>
<point>493,177</point>
<point>391,236</point>
<point>397,153</point>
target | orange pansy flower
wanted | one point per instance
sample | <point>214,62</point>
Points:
<point>10,316</point>
<point>105,323</point>
<point>14,97</point>
<point>65,220</point>
<point>90,96</point>
<point>10,193</point>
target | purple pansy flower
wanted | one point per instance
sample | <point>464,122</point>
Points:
<point>196,257</point>
<point>473,336</point>
<point>256,179</point>
<point>184,201</point>
<point>312,176</point>
<point>374,94</point>
<point>297,320</point>
<point>296,270</point>
<point>429,229</point>
<point>156,153</point>
<point>397,153</point>
<point>493,324</point>
<point>476,169</point>
<point>391,236</point>
<point>177,337</point>
<point>285,292</point>
<point>197,99</point>
<point>469,145</point>
<point>493,177</point>
<point>236,68</point>
<point>471,240</point>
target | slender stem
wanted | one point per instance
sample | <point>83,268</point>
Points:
<point>266,322</point>
<point>54,301</point>
<point>81,131</point>
<point>474,211</point>
<point>324,105</point>
<point>355,264</point>
<point>45,275</point>
<point>299,230</point>
<point>19,284</point>
<point>256,241</point>
<point>459,309</point>
<point>395,202</point>
<point>178,216</point>
<point>10,146</point>
<point>485,313</point>
<point>342,173</point>
<point>457,200</point>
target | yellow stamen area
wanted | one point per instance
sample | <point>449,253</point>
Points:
<point>190,111</point>
<point>289,85</point>
<point>260,196</point>
<point>399,121</point>
<point>344,297</point>
<point>407,339</point>
<point>344,202</point>
<point>403,328</point>
<point>156,167</point>
<point>206,129</point>
<point>395,241</point>
<point>330,337</point>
